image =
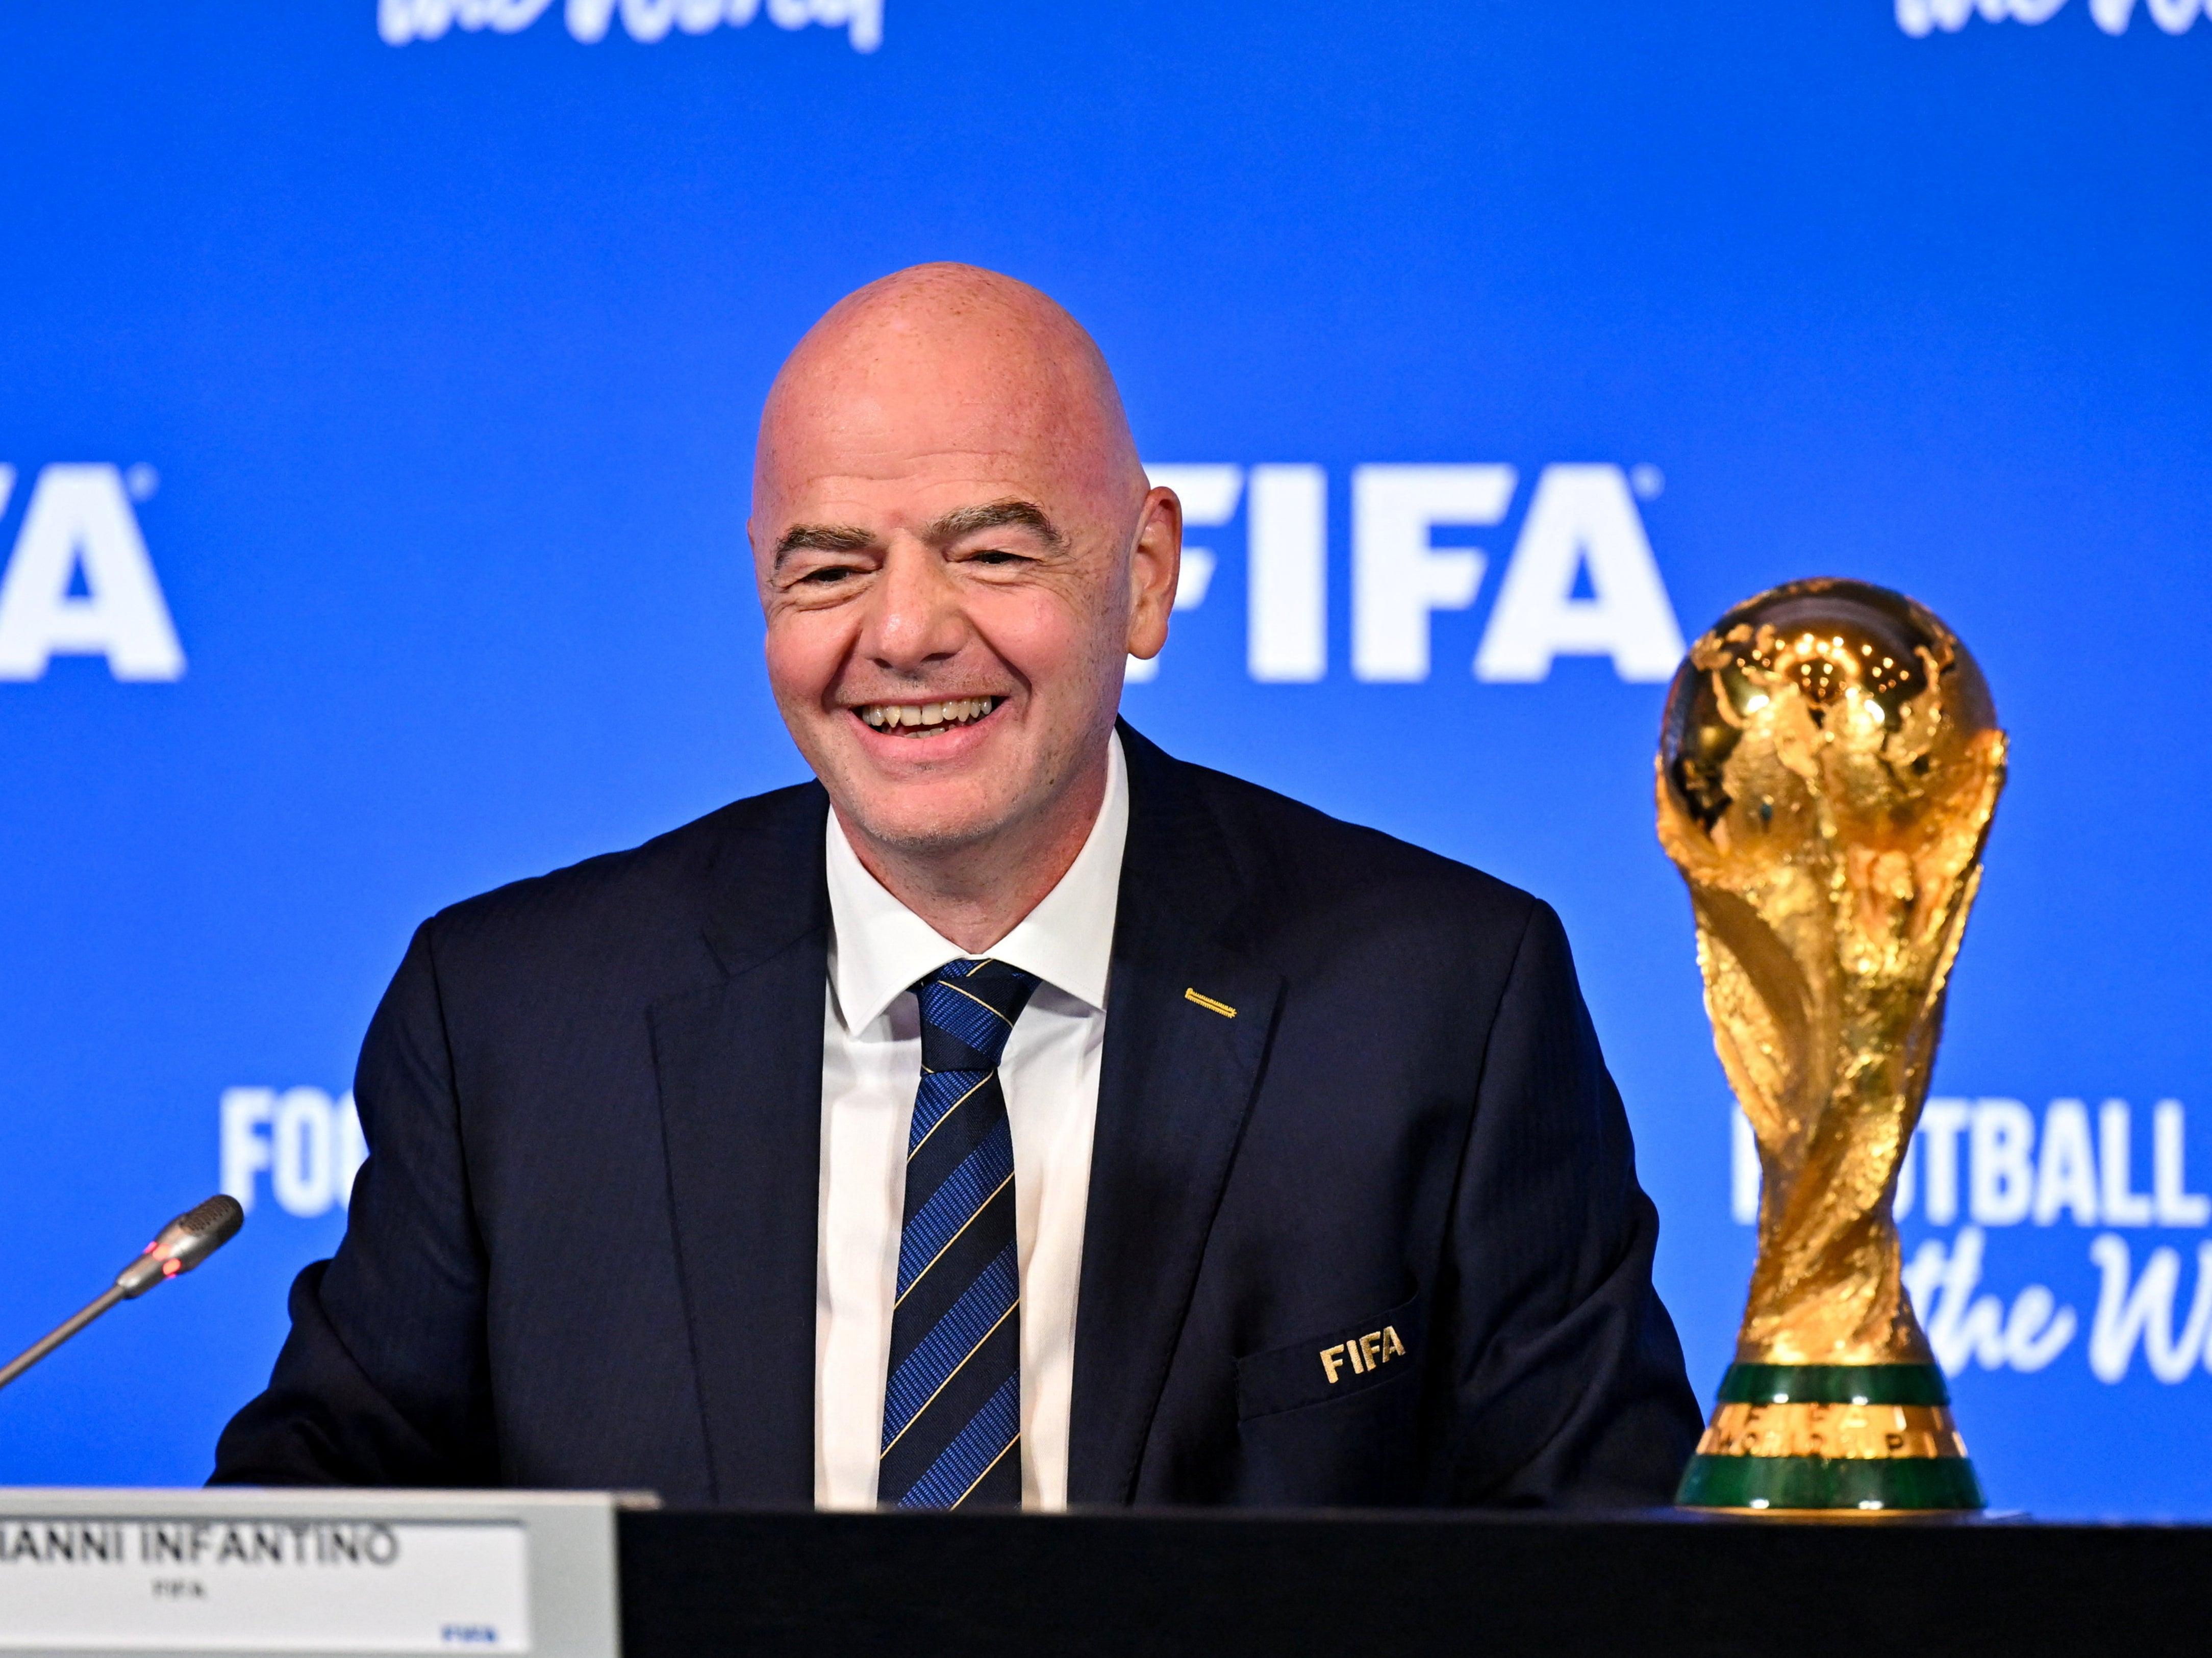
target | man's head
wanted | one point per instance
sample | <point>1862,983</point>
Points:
<point>955,547</point>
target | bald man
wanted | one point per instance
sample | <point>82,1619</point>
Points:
<point>1015,1114</point>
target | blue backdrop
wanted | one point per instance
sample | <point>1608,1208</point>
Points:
<point>377,387</point>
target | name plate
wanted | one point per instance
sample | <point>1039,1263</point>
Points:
<point>285,1572</point>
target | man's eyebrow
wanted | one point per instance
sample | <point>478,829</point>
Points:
<point>955,526</point>
<point>824,538</point>
<point>995,515</point>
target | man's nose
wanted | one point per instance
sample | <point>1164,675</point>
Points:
<point>914,616</point>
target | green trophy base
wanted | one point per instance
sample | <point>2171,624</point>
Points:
<point>1835,1438</point>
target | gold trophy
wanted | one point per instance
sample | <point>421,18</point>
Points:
<point>1828,766</point>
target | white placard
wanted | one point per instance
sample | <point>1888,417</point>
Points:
<point>307,1572</point>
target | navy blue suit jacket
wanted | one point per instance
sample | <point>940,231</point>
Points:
<point>582,1251</point>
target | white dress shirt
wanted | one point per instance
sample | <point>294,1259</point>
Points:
<point>870,1069</point>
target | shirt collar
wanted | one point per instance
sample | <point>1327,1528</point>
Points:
<point>878,947</point>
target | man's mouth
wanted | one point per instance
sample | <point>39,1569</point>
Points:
<point>926,719</point>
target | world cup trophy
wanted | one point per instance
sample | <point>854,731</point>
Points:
<point>1828,766</point>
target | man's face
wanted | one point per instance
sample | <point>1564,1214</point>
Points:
<point>946,572</point>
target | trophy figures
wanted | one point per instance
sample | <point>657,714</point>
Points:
<point>1828,766</point>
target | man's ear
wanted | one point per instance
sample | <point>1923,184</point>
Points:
<point>1155,566</point>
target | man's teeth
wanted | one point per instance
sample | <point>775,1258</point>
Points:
<point>886,716</point>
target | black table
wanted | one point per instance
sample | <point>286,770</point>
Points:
<point>1392,1585</point>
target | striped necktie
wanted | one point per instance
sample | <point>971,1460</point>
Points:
<point>953,1407</point>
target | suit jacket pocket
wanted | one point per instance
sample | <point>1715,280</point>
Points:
<point>1339,1363</point>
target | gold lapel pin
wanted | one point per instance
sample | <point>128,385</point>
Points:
<point>1222,1008</point>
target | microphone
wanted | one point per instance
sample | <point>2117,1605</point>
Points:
<point>181,1245</point>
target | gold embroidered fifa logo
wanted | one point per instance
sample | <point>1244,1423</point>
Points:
<point>1364,1354</point>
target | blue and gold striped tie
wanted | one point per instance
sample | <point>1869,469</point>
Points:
<point>953,1407</point>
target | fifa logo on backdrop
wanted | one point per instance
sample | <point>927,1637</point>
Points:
<point>398,22</point>
<point>1580,579</point>
<point>1919,17</point>
<point>1987,1165</point>
<point>79,581</point>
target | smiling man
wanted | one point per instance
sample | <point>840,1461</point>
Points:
<point>1015,1114</point>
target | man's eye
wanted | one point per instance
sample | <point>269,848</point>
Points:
<point>995,556</point>
<point>826,575</point>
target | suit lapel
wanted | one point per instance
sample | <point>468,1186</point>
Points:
<point>1177,1082</point>
<point>739,1067</point>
